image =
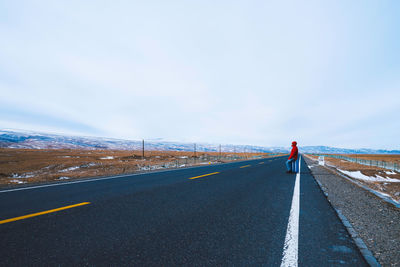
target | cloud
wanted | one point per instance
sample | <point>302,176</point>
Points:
<point>258,72</point>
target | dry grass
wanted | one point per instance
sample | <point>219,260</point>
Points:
<point>390,188</point>
<point>32,166</point>
<point>381,157</point>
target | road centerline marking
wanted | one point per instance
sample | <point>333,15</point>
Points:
<point>291,247</point>
<point>42,213</point>
<point>261,162</point>
<point>204,175</point>
<point>245,166</point>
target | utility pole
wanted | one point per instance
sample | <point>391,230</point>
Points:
<point>143,149</point>
<point>220,151</point>
<point>194,152</point>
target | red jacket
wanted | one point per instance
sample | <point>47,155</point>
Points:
<point>294,152</point>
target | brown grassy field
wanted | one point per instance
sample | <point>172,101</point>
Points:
<point>19,166</point>
<point>386,187</point>
<point>381,157</point>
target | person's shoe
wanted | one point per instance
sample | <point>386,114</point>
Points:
<point>288,171</point>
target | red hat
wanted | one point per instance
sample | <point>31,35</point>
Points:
<point>294,143</point>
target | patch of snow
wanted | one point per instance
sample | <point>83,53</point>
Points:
<point>388,179</point>
<point>391,172</point>
<point>63,178</point>
<point>108,157</point>
<point>152,167</point>
<point>358,175</point>
<point>69,169</point>
<point>88,165</point>
<point>25,175</point>
<point>17,181</point>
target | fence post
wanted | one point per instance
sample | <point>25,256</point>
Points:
<point>143,149</point>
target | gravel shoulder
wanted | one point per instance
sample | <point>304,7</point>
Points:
<point>378,179</point>
<point>376,221</point>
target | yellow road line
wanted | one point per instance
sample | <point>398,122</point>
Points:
<point>261,163</point>
<point>204,175</point>
<point>43,212</point>
<point>245,166</point>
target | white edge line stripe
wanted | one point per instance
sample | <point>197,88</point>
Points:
<point>110,177</point>
<point>291,247</point>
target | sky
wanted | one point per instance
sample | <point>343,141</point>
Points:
<point>232,72</point>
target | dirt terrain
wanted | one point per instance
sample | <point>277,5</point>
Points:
<point>19,166</point>
<point>384,157</point>
<point>382,180</point>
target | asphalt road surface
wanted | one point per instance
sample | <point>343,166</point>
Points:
<point>248,213</point>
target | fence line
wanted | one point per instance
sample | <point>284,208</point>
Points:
<point>376,163</point>
<point>190,161</point>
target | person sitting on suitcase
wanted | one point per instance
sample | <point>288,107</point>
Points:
<point>292,158</point>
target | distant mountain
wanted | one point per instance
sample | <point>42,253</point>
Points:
<point>35,140</point>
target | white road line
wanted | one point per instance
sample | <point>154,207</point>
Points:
<point>67,183</point>
<point>291,247</point>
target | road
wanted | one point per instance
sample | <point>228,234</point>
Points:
<point>236,214</point>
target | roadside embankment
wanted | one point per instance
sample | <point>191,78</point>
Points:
<point>25,166</point>
<point>384,181</point>
<point>376,221</point>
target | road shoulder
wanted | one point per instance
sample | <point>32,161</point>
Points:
<point>375,220</point>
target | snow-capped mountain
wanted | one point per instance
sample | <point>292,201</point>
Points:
<point>35,140</point>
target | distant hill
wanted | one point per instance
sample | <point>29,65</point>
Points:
<point>35,140</point>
